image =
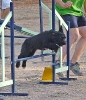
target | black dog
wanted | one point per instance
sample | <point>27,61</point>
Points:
<point>46,40</point>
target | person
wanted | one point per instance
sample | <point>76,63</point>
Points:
<point>71,10</point>
<point>5,8</point>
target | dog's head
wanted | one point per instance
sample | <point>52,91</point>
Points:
<point>58,37</point>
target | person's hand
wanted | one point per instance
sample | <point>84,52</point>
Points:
<point>68,4</point>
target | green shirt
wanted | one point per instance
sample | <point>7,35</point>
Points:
<point>75,9</point>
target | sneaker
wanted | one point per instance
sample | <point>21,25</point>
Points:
<point>74,67</point>
<point>5,27</point>
<point>60,74</point>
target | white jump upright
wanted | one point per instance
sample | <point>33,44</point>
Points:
<point>4,82</point>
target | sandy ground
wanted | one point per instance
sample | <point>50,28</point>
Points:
<point>28,80</point>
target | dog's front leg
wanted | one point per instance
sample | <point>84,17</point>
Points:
<point>53,46</point>
<point>18,63</point>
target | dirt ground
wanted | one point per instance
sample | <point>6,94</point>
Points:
<point>28,80</point>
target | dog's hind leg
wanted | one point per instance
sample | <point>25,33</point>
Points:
<point>30,54</point>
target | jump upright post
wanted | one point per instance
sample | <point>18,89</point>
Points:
<point>4,82</point>
<point>68,55</point>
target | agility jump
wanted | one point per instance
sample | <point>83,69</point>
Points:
<point>65,68</point>
<point>12,27</point>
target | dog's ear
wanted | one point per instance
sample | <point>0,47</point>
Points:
<point>61,29</point>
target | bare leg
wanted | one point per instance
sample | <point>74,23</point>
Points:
<point>81,45</point>
<point>4,13</point>
<point>74,35</point>
<point>79,49</point>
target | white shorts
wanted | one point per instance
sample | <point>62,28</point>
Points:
<point>5,4</point>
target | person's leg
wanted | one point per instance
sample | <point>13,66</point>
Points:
<point>81,45</point>
<point>4,13</point>
<point>5,8</point>
<point>74,32</point>
<point>74,35</point>
<point>79,50</point>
